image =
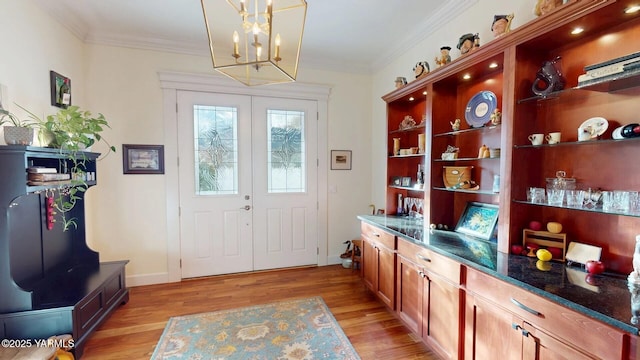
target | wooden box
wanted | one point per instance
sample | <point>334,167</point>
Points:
<point>454,175</point>
<point>546,240</point>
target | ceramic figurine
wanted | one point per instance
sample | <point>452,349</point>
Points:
<point>496,117</point>
<point>444,58</point>
<point>544,7</point>
<point>400,82</point>
<point>468,43</point>
<point>549,78</point>
<point>421,69</point>
<point>501,24</point>
<point>455,126</point>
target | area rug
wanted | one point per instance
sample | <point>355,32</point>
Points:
<point>301,329</point>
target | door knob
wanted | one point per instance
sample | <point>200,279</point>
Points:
<point>246,207</point>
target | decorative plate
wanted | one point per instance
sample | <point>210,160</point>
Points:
<point>595,126</point>
<point>479,108</point>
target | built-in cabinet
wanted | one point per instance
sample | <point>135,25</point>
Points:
<point>461,312</point>
<point>429,297</point>
<point>379,262</point>
<point>51,282</point>
<point>507,67</point>
<point>506,322</point>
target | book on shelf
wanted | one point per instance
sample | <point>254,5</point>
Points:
<point>622,59</point>
<point>612,77</point>
<point>610,67</point>
<point>44,177</point>
<point>41,170</point>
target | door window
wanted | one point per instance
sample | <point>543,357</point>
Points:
<point>286,151</point>
<point>216,149</point>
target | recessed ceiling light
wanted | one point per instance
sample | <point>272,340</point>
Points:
<point>577,31</point>
<point>466,76</point>
<point>493,65</point>
<point>411,98</point>
<point>632,9</point>
<point>424,93</point>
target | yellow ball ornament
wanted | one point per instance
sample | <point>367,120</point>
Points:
<point>544,254</point>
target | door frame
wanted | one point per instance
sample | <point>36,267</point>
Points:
<point>171,83</point>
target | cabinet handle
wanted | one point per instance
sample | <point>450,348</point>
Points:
<point>522,330</point>
<point>375,234</point>
<point>525,308</point>
<point>423,258</point>
<point>422,274</point>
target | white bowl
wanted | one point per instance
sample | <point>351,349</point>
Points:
<point>346,263</point>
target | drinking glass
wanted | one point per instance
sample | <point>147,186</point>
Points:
<point>634,202</point>
<point>621,201</point>
<point>536,195</point>
<point>555,197</point>
<point>575,198</point>
<point>607,201</point>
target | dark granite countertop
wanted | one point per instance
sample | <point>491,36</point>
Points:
<point>605,297</point>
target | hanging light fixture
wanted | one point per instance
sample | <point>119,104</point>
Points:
<point>256,42</point>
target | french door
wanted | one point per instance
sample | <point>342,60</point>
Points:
<point>247,183</point>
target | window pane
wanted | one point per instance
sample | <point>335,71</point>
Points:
<point>286,151</point>
<point>216,149</point>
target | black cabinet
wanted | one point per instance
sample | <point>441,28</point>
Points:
<point>51,282</point>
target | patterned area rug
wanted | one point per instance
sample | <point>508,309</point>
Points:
<point>298,329</point>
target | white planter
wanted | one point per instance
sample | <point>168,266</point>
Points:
<point>14,135</point>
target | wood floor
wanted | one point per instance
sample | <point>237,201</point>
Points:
<point>134,329</point>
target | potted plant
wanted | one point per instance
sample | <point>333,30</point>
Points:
<point>19,132</point>
<point>73,131</point>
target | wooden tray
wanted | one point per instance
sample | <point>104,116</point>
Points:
<point>546,239</point>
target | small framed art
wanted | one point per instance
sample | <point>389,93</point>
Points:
<point>479,220</point>
<point>142,159</point>
<point>340,159</point>
<point>60,90</point>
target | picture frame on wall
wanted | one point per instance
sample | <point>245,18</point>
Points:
<point>340,159</point>
<point>406,181</point>
<point>142,159</point>
<point>60,90</point>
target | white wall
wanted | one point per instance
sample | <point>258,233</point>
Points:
<point>125,83</point>
<point>126,215</point>
<point>477,19</point>
<point>31,44</point>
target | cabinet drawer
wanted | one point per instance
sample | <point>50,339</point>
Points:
<point>374,233</point>
<point>430,261</point>
<point>567,325</point>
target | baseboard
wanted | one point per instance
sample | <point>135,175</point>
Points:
<point>147,279</point>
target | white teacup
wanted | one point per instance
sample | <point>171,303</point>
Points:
<point>536,139</point>
<point>583,135</point>
<point>553,138</point>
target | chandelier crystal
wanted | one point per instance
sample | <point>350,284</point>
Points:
<point>256,42</point>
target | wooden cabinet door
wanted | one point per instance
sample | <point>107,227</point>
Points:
<point>538,345</point>
<point>441,315</point>
<point>369,264</point>
<point>386,289</point>
<point>489,331</point>
<point>409,300</point>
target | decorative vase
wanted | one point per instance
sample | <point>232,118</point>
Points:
<point>16,135</point>
<point>396,146</point>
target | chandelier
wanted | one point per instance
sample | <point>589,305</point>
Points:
<point>256,42</point>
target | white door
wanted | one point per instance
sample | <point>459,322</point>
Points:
<point>285,189</point>
<point>248,192</point>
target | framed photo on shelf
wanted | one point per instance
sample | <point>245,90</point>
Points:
<point>406,181</point>
<point>60,90</point>
<point>396,181</point>
<point>340,159</point>
<point>142,159</point>
<point>479,220</point>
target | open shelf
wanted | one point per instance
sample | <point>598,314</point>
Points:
<point>465,131</point>
<point>598,209</point>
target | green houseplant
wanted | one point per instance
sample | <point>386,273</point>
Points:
<point>72,130</point>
